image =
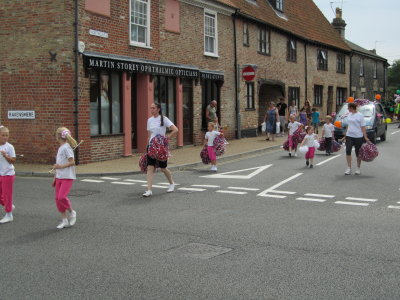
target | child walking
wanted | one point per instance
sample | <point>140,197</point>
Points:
<point>315,119</point>
<point>292,127</point>
<point>7,175</point>
<point>309,142</point>
<point>327,134</point>
<point>209,140</point>
<point>65,175</point>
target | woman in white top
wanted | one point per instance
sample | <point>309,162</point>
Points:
<point>355,136</point>
<point>158,125</point>
<point>293,110</point>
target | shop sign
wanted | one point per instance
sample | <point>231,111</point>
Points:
<point>249,73</point>
<point>21,114</point>
<point>211,76</point>
<point>98,33</point>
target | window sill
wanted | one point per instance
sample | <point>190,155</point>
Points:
<point>339,72</point>
<point>291,60</point>
<point>249,109</point>
<point>322,69</point>
<point>246,45</point>
<point>211,55</point>
<point>140,45</point>
<point>107,135</point>
<point>264,53</point>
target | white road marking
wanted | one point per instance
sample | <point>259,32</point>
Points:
<point>352,203</point>
<point>394,132</point>
<point>92,180</point>
<point>123,183</point>
<point>192,189</point>
<point>167,183</point>
<point>328,159</point>
<point>284,192</point>
<point>361,199</point>
<point>157,186</point>
<point>398,202</point>
<point>134,180</point>
<point>231,192</point>
<point>393,206</point>
<point>227,175</point>
<point>109,178</point>
<point>274,196</point>
<point>272,188</point>
<point>206,185</point>
<point>242,188</point>
<point>320,195</point>
<point>311,199</point>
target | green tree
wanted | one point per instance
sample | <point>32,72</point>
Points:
<point>394,76</point>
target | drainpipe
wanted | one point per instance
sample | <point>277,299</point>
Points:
<point>76,84</point>
<point>237,96</point>
<point>305,73</point>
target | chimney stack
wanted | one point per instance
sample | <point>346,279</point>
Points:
<point>338,23</point>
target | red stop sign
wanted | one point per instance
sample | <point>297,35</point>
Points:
<point>248,73</point>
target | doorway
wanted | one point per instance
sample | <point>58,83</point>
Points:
<point>134,111</point>
<point>187,104</point>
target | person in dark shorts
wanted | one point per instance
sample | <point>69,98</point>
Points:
<point>282,107</point>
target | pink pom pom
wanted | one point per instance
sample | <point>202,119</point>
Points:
<point>204,155</point>
<point>368,152</point>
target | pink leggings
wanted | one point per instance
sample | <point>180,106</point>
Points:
<point>63,186</point>
<point>310,153</point>
<point>6,192</point>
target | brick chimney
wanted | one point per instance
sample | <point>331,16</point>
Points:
<point>338,23</point>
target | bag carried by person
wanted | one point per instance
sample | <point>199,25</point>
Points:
<point>368,152</point>
<point>336,146</point>
<point>322,146</point>
<point>278,127</point>
<point>263,127</point>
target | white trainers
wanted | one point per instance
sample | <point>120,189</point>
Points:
<point>64,223</point>
<point>171,188</point>
<point>147,193</point>
<point>357,172</point>
<point>72,218</point>
<point>348,172</point>
<point>6,219</point>
<point>295,154</point>
<point>214,168</point>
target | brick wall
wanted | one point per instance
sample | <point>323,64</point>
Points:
<point>106,147</point>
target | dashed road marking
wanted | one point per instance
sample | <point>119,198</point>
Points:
<point>310,199</point>
<point>134,180</point>
<point>283,192</point>
<point>110,178</point>
<point>327,160</point>
<point>361,199</point>
<point>394,206</point>
<point>167,183</point>
<point>192,189</point>
<point>157,186</point>
<point>92,180</point>
<point>352,203</point>
<point>273,196</point>
<point>272,188</point>
<point>242,188</point>
<point>394,132</point>
<point>123,183</point>
<point>231,192</point>
<point>228,175</point>
<point>320,195</point>
<point>206,185</point>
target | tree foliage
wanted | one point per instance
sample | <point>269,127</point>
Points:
<point>394,75</point>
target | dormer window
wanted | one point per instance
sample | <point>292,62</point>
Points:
<point>277,4</point>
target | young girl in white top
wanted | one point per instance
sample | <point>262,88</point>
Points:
<point>292,127</point>
<point>308,141</point>
<point>7,175</point>
<point>209,140</point>
<point>327,134</point>
<point>158,124</point>
<point>65,176</point>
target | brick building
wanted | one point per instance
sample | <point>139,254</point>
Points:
<point>181,53</point>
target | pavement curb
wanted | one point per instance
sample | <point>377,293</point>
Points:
<point>172,168</point>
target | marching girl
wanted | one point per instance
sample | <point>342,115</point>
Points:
<point>157,125</point>
<point>7,175</point>
<point>209,141</point>
<point>65,176</point>
<point>308,141</point>
<point>292,128</point>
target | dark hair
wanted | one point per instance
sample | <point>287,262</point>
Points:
<point>308,128</point>
<point>162,118</point>
<point>353,106</point>
<point>314,109</point>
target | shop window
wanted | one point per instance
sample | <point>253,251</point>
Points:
<point>341,63</point>
<point>318,95</point>
<point>164,93</point>
<point>291,50</point>
<point>210,33</point>
<point>210,90</point>
<point>105,103</point>
<point>140,23</point>
<point>250,95</point>
<point>263,41</point>
<point>322,59</point>
<point>340,96</point>
<point>294,95</point>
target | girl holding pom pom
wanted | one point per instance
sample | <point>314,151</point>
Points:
<point>308,141</point>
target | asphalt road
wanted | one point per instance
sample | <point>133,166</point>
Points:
<point>265,227</point>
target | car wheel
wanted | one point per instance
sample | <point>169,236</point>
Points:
<point>373,138</point>
<point>383,136</point>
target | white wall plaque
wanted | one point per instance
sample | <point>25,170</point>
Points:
<point>98,33</point>
<point>21,114</point>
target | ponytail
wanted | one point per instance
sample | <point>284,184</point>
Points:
<point>64,134</point>
<point>161,115</point>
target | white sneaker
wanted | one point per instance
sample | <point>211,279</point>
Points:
<point>64,223</point>
<point>357,172</point>
<point>147,193</point>
<point>171,188</point>
<point>348,172</point>
<point>72,218</point>
<point>295,154</point>
<point>6,219</point>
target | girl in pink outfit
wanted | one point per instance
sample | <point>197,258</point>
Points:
<point>209,140</point>
<point>7,175</point>
<point>65,175</point>
<point>309,141</point>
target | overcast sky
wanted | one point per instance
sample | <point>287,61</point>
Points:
<point>369,23</point>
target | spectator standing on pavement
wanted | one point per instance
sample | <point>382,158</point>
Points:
<point>292,127</point>
<point>327,134</point>
<point>211,112</point>
<point>308,141</point>
<point>307,109</point>
<point>315,119</point>
<point>303,116</point>
<point>271,117</point>
<point>211,134</point>
<point>65,176</point>
<point>355,135</point>
<point>158,125</point>
<point>7,175</point>
<point>282,106</point>
<point>293,110</point>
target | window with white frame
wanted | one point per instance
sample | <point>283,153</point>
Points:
<point>250,95</point>
<point>246,38</point>
<point>340,96</point>
<point>375,70</point>
<point>210,33</point>
<point>279,5</point>
<point>318,95</point>
<point>362,67</point>
<point>291,51</point>
<point>140,23</point>
<point>322,59</point>
<point>263,41</point>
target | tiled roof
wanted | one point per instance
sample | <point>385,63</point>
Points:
<point>358,48</point>
<point>301,18</point>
